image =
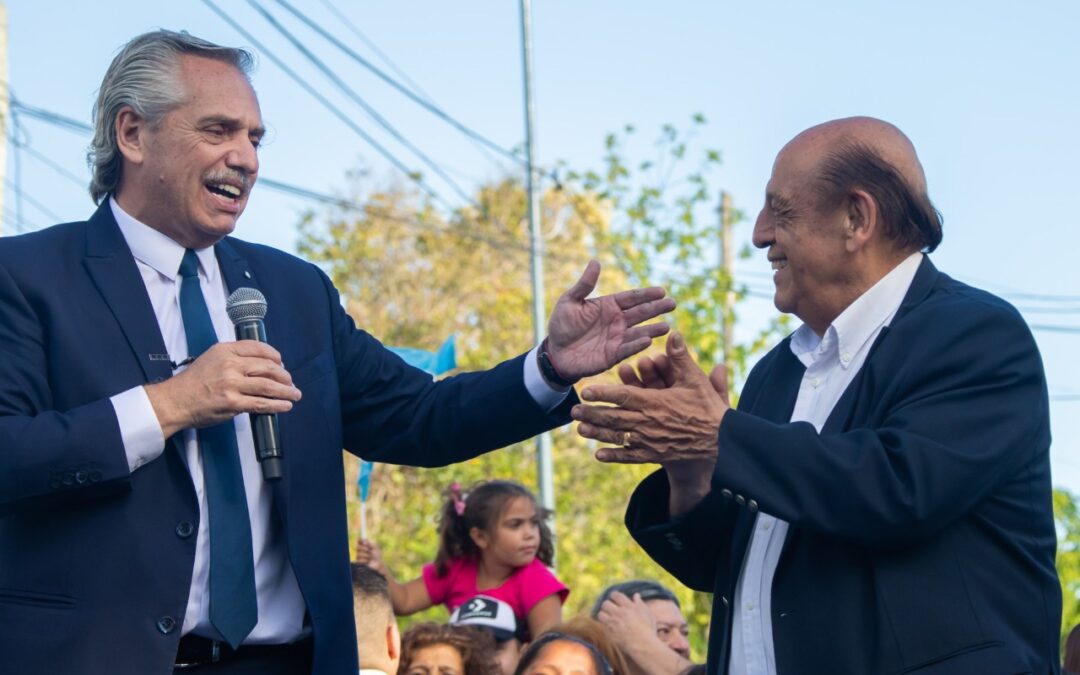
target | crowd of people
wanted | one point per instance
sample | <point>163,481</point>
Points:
<point>492,573</point>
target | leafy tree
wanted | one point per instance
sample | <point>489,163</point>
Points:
<point>412,275</point>
<point>1067,520</point>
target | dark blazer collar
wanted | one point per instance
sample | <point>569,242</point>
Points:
<point>926,277</point>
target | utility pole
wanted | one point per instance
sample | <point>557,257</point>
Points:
<point>546,477</point>
<point>5,103</point>
<point>726,352</point>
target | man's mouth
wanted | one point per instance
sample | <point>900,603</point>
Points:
<point>779,263</point>
<point>225,190</point>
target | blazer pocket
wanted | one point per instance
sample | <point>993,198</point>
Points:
<point>991,658</point>
<point>312,369</point>
<point>10,596</point>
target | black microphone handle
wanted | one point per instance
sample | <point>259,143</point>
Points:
<point>264,428</point>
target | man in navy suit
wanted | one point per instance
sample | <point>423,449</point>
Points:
<point>135,537</point>
<point>880,502</point>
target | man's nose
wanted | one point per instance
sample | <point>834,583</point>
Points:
<point>763,234</point>
<point>243,157</point>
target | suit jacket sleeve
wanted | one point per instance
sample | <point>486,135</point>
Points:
<point>46,454</point>
<point>393,412</point>
<point>956,405</point>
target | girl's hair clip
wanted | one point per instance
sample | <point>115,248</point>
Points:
<point>455,496</point>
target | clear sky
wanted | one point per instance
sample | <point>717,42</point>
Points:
<point>987,90</point>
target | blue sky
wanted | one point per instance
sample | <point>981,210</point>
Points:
<point>986,90</point>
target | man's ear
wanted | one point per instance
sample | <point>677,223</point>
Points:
<point>479,537</point>
<point>131,135</point>
<point>393,641</point>
<point>863,220</point>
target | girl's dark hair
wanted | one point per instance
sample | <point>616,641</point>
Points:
<point>533,651</point>
<point>481,507</point>
<point>477,647</point>
<point>1072,650</point>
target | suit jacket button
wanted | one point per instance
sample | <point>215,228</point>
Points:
<point>166,625</point>
<point>81,476</point>
<point>68,479</point>
<point>725,493</point>
<point>184,529</point>
<point>55,483</point>
<point>740,500</point>
<point>752,505</point>
<point>95,476</point>
<point>724,600</point>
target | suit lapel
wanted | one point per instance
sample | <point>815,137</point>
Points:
<point>113,270</point>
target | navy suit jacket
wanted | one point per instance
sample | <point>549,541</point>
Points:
<point>96,561</point>
<point>922,535</point>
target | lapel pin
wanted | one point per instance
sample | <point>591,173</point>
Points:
<point>159,357</point>
<point>247,275</point>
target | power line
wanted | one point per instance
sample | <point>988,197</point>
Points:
<point>1055,329</point>
<point>20,194</point>
<point>427,105</point>
<point>345,119</point>
<point>55,119</point>
<point>356,98</point>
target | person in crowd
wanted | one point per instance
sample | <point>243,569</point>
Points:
<point>126,445</point>
<point>378,640</point>
<point>434,649</point>
<point>555,653</point>
<point>493,540</point>
<point>496,617</point>
<point>595,633</point>
<point>1071,664</point>
<point>646,622</point>
<point>880,501</point>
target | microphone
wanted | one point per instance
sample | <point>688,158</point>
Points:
<point>246,308</point>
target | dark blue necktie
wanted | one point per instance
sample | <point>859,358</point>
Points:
<point>233,607</point>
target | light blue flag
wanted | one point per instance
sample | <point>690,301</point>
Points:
<point>436,363</point>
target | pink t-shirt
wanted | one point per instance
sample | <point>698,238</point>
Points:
<point>526,586</point>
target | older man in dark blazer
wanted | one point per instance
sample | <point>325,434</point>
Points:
<point>880,502</point>
<point>136,533</point>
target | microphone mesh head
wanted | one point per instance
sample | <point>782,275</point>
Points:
<point>245,304</point>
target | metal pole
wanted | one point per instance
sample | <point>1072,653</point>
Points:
<point>727,260</point>
<point>546,478</point>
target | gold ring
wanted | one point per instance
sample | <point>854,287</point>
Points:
<point>625,439</point>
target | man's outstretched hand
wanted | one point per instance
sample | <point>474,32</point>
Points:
<point>587,336</point>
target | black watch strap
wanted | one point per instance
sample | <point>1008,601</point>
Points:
<point>547,369</point>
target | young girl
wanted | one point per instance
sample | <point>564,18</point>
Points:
<point>492,541</point>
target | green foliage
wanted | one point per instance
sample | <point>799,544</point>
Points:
<point>1067,520</point>
<point>411,275</point>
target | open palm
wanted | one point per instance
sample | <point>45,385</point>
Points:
<point>587,336</point>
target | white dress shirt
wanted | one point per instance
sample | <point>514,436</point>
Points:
<point>832,361</point>
<point>281,605</point>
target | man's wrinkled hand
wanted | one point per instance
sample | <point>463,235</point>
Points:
<point>228,379</point>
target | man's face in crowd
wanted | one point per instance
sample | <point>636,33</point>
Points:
<point>805,245</point>
<point>200,162</point>
<point>671,627</point>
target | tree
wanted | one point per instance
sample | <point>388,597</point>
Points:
<point>411,275</point>
<point>1067,521</point>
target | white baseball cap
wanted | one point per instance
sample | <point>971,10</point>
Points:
<point>488,613</point>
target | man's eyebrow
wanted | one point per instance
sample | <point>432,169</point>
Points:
<point>231,123</point>
<point>776,201</point>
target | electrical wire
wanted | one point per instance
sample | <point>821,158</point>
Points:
<point>321,66</point>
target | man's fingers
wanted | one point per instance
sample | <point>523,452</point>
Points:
<point>663,368</point>
<point>649,330</point>
<point>637,296</point>
<point>629,377</point>
<point>270,370</point>
<point>626,456</point>
<point>647,310</point>
<point>719,380</point>
<point>650,377</point>
<point>250,348</point>
<point>586,284</point>
<point>628,349</point>
<point>631,398</point>
<point>683,367</point>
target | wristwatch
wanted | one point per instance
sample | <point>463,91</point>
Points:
<point>547,369</point>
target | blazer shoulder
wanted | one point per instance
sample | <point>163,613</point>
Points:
<point>954,303</point>
<point>16,247</point>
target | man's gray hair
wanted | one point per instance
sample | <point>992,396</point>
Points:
<point>145,76</point>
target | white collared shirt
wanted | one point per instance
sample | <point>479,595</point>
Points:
<point>281,605</point>
<point>832,361</point>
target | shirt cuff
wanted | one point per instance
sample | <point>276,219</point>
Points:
<point>139,427</point>
<point>547,397</point>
